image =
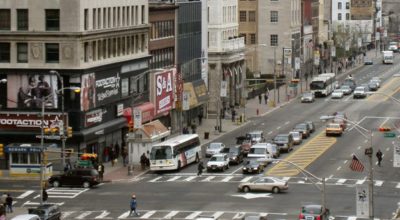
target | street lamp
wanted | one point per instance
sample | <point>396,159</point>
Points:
<point>368,152</point>
<point>43,100</point>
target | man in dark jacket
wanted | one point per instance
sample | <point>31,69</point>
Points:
<point>133,205</point>
<point>379,155</point>
<point>200,168</point>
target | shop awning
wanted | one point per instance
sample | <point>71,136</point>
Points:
<point>102,129</point>
<point>200,89</point>
<point>150,132</point>
<point>147,109</point>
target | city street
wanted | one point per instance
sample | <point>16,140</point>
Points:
<point>184,195</point>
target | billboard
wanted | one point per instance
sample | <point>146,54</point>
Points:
<point>164,91</point>
<point>27,91</point>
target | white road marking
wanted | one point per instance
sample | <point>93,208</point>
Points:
<point>359,122</point>
<point>190,178</point>
<point>217,215</point>
<point>388,148</point>
<point>103,215</point>
<point>340,181</point>
<point>25,194</point>
<point>359,147</point>
<point>171,215</point>
<point>37,196</point>
<point>365,141</point>
<point>124,215</point>
<point>65,193</point>
<point>286,123</point>
<point>339,168</point>
<point>269,132</point>
<point>378,183</point>
<point>352,218</point>
<point>226,179</point>
<point>236,170</point>
<point>148,214</point>
<point>37,203</point>
<point>173,178</point>
<point>287,178</point>
<point>300,181</point>
<point>239,214</point>
<point>398,186</point>
<point>193,215</point>
<point>65,214</point>
<point>247,179</point>
<point>279,127</point>
<point>330,177</point>
<point>359,182</point>
<point>155,179</point>
<point>344,162</point>
<point>208,179</point>
<point>83,215</point>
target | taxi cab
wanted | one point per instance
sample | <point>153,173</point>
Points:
<point>333,129</point>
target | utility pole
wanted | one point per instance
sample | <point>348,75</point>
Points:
<point>275,78</point>
<point>369,152</point>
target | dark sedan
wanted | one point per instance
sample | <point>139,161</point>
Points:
<point>235,154</point>
<point>253,166</point>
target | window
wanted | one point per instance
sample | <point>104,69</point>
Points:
<point>52,53</point>
<point>274,16</point>
<point>4,52</point>
<point>339,5</point>
<point>274,40</point>
<point>339,16</point>
<point>52,19</point>
<point>22,52</point>
<point>252,38</point>
<point>243,35</point>
<point>86,19</point>
<point>347,16</point>
<point>22,19</point>
<point>347,5</point>
<point>242,16</point>
<point>5,19</point>
<point>252,16</point>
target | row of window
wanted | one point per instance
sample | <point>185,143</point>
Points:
<point>22,56</point>
<point>162,29</point>
<point>114,47</point>
<point>229,14</point>
<point>339,6</point>
<point>339,16</point>
<point>249,38</point>
<point>162,58</point>
<point>247,16</point>
<point>52,19</point>
<point>112,17</point>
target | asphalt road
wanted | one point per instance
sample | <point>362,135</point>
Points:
<point>183,195</point>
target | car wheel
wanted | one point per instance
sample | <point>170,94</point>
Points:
<point>246,189</point>
<point>275,190</point>
<point>86,184</point>
<point>56,183</point>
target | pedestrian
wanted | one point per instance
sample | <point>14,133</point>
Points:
<point>259,98</point>
<point>379,156</point>
<point>45,196</point>
<point>266,97</point>
<point>200,168</point>
<point>100,169</point>
<point>253,92</point>
<point>143,161</point>
<point>200,116</point>
<point>117,150</point>
<point>124,155</point>
<point>193,126</point>
<point>9,203</point>
<point>112,156</point>
<point>106,154</point>
<point>233,115</point>
<point>133,205</point>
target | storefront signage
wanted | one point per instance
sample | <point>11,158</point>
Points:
<point>164,91</point>
<point>93,117</point>
<point>137,118</point>
<point>23,149</point>
<point>120,109</point>
<point>29,121</point>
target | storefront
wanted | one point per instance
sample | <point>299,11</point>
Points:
<point>196,95</point>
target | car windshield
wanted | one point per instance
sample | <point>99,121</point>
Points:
<point>301,126</point>
<point>229,150</point>
<point>217,158</point>
<point>214,145</point>
<point>38,212</point>
<point>295,134</point>
<point>337,91</point>
<point>311,210</point>
<point>161,153</point>
<point>307,95</point>
<point>345,87</point>
<point>317,85</point>
<point>252,162</point>
<point>255,135</point>
<point>281,138</point>
<point>360,89</point>
<point>333,126</point>
<point>255,150</point>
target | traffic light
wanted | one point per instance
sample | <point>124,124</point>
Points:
<point>46,130</point>
<point>54,130</point>
<point>1,150</point>
<point>69,132</point>
<point>384,129</point>
<point>295,81</point>
<point>130,125</point>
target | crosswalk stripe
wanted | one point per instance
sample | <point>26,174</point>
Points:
<point>155,179</point>
<point>341,181</point>
<point>239,214</point>
<point>208,179</point>
<point>226,179</point>
<point>359,182</point>
<point>171,214</point>
<point>287,178</point>
<point>83,215</point>
<point>352,218</point>
<point>193,215</point>
<point>378,183</point>
<point>173,178</point>
<point>217,215</point>
<point>148,214</point>
<point>25,194</point>
<point>398,185</point>
<point>103,215</point>
<point>65,214</point>
<point>190,178</point>
<point>124,215</point>
<point>247,179</point>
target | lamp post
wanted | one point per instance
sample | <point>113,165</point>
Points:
<point>369,153</point>
<point>42,154</point>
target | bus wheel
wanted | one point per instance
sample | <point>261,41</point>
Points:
<point>197,158</point>
<point>179,165</point>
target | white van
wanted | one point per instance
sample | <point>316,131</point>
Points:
<point>260,151</point>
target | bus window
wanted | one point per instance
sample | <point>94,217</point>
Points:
<point>161,153</point>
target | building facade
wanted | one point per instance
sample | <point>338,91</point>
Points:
<point>340,10</point>
<point>100,47</point>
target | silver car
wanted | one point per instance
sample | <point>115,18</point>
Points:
<point>297,137</point>
<point>214,148</point>
<point>271,184</point>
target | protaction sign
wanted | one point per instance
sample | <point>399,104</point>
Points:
<point>28,121</point>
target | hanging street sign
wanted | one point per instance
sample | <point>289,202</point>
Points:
<point>389,135</point>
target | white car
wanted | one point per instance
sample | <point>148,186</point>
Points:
<point>360,92</point>
<point>297,137</point>
<point>218,162</point>
<point>337,94</point>
<point>214,148</point>
<point>377,80</point>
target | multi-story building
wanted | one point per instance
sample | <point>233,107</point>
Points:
<point>280,31</point>
<point>226,61</point>
<point>307,38</point>
<point>99,46</point>
<point>362,10</point>
<point>340,10</point>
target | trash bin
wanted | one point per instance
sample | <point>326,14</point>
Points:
<point>206,135</point>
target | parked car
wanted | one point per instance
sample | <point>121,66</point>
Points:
<point>360,92</point>
<point>214,148</point>
<point>253,166</point>
<point>303,128</point>
<point>235,154</point>
<point>297,137</point>
<point>86,177</point>
<point>218,162</point>
<point>346,89</point>
<point>284,141</point>
<point>314,212</point>
<point>311,126</point>
<point>256,136</point>
<point>337,94</point>
<point>373,86</point>
<point>307,97</point>
<point>46,212</point>
<point>260,152</point>
<point>271,184</point>
<point>245,142</point>
<point>333,129</point>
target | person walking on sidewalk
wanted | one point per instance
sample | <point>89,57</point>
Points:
<point>200,116</point>
<point>133,205</point>
<point>266,96</point>
<point>143,161</point>
<point>45,195</point>
<point>259,98</point>
<point>100,169</point>
<point>9,203</point>
<point>233,115</point>
<point>379,156</point>
<point>200,168</point>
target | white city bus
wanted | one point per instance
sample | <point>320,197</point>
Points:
<point>175,153</point>
<point>323,84</point>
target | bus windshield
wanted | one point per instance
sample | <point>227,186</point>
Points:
<point>161,153</point>
<point>317,85</point>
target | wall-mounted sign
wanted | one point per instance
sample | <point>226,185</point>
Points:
<point>93,117</point>
<point>29,121</point>
<point>185,100</point>
<point>396,155</point>
<point>224,88</point>
<point>164,91</point>
<point>137,118</point>
<point>120,109</point>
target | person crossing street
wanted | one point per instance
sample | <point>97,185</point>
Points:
<point>379,155</point>
<point>133,205</point>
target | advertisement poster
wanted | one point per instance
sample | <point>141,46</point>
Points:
<point>164,91</point>
<point>88,92</point>
<point>137,118</point>
<point>28,91</point>
<point>185,100</point>
<point>362,201</point>
<point>224,88</point>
